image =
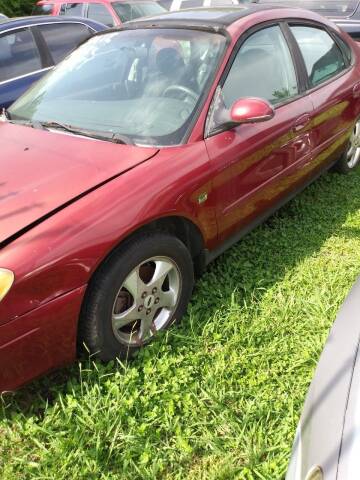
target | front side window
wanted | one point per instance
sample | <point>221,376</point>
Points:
<point>43,9</point>
<point>143,85</point>
<point>262,68</point>
<point>131,11</point>
<point>61,39</point>
<point>19,54</point>
<point>323,58</point>
<point>100,13</point>
<point>72,9</point>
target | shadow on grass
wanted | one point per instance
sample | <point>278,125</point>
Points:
<point>257,262</point>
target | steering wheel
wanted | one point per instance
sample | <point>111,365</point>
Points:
<point>182,89</point>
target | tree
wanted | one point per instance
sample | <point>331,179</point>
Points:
<point>16,8</point>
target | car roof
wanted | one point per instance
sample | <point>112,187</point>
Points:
<point>205,16</point>
<point>10,23</point>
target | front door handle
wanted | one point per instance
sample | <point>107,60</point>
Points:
<point>301,123</point>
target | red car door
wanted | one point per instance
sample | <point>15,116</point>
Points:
<point>334,86</point>
<point>256,165</point>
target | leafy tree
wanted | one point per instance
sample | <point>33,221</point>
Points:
<point>15,8</point>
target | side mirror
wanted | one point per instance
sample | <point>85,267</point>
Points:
<point>251,110</point>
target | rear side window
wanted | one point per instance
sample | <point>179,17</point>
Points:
<point>19,55</point>
<point>61,39</point>
<point>72,9</point>
<point>323,58</point>
<point>101,14</point>
<point>43,9</point>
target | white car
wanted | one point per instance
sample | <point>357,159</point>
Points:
<point>173,5</point>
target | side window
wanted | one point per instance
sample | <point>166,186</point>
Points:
<point>191,4</point>
<point>100,13</point>
<point>63,38</point>
<point>221,3</point>
<point>19,54</point>
<point>72,9</point>
<point>323,58</point>
<point>262,68</point>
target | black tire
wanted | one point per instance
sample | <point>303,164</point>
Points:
<point>342,165</point>
<point>96,326</point>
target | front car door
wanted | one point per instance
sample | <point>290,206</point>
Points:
<point>21,64</point>
<point>258,164</point>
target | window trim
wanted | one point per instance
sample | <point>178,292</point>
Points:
<point>19,77</point>
<point>333,35</point>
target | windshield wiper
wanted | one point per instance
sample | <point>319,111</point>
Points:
<point>109,136</point>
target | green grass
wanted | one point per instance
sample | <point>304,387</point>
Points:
<point>220,395</point>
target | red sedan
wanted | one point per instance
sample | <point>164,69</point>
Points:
<point>144,155</point>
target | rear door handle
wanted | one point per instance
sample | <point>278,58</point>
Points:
<point>301,123</point>
<point>356,90</point>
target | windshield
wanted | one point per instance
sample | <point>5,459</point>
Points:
<point>131,11</point>
<point>336,8</point>
<point>142,84</point>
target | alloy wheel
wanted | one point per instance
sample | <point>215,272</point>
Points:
<point>146,301</point>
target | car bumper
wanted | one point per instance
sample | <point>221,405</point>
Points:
<point>319,434</point>
<point>40,340</point>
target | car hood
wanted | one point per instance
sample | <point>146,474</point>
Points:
<point>42,171</point>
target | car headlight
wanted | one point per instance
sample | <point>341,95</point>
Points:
<point>6,280</point>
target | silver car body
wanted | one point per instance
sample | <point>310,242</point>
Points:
<point>328,434</point>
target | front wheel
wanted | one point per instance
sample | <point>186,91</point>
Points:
<point>141,289</point>
<point>351,158</point>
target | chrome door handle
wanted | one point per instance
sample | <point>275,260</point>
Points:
<point>301,123</point>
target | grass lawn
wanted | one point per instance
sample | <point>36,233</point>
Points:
<point>220,395</point>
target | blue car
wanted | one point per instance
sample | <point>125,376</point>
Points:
<point>31,46</point>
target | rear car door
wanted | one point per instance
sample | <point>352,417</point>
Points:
<point>21,63</point>
<point>334,87</point>
<point>61,38</point>
<point>257,165</point>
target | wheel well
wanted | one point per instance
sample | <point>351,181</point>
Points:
<point>180,227</point>
<point>184,230</point>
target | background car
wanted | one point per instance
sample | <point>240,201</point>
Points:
<point>345,13</point>
<point>173,5</point>
<point>108,12</point>
<point>327,442</point>
<point>2,17</point>
<point>29,47</point>
<point>144,155</point>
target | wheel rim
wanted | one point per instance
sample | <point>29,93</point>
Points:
<point>146,301</point>
<point>353,153</point>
